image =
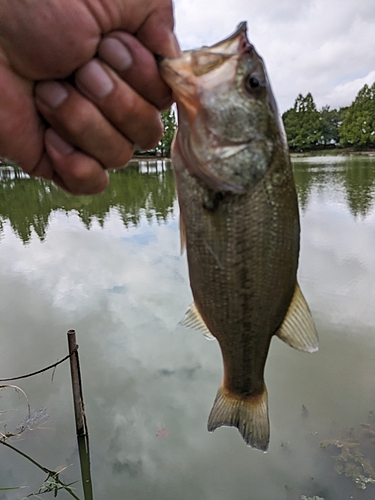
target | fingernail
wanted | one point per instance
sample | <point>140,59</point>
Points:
<point>58,143</point>
<point>51,93</point>
<point>93,80</point>
<point>116,54</point>
<point>175,47</point>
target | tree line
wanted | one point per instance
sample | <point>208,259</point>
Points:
<point>351,126</point>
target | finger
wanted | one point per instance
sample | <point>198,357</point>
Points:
<point>43,169</point>
<point>135,117</point>
<point>21,130</point>
<point>74,171</point>
<point>82,124</point>
<point>156,32</point>
<point>136,65</point>
<point>69,169</point>
<point>152,22</point>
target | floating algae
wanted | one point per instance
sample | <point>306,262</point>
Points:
<point>353,460</point>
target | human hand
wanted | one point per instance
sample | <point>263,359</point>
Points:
<point>97,120</point>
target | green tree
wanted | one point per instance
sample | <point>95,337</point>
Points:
<point>331,119</point>
<point>358,126</point>
<point>169,123</point>
<point>302,123</point>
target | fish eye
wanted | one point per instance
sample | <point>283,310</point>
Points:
<point>252,83</point>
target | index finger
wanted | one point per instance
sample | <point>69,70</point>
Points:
<point>156,33</point>
<point>151,21</point>
<point>137,66</point>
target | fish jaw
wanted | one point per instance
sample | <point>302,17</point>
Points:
<point>197,70</point>
<point>177,73</point>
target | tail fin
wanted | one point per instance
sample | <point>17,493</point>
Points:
<point>249,415</point>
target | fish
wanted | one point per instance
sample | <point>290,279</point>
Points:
<point>239,222</point>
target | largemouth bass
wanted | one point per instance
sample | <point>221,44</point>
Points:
<point>239,218</point>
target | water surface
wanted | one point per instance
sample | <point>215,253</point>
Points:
<point>109,266</point>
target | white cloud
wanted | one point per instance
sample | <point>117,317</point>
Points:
<point>316,46</point>
<point>343,93</point>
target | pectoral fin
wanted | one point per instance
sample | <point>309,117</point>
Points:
<point>298,329</point>
<point>193,319</point>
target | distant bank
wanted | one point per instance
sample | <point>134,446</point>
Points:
<point>332,152</point>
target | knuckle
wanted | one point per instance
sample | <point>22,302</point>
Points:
<point>79,124</point>
<point>132,105</point>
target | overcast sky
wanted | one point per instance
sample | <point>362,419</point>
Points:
<point>326,47</point>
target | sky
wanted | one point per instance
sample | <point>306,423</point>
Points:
<point>325,47</point>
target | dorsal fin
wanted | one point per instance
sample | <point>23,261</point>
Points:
<point>194,320</point>
<point>298,329</point>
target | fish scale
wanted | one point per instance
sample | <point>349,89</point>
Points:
<point>248,310</point>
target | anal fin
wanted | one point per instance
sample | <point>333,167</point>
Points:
<point>194,320</point>
<point>298,329</point>
<point>249,415</point>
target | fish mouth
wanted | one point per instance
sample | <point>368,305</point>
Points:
<point>182,73</point>
<point>235,43</point>
<point>206,59</point>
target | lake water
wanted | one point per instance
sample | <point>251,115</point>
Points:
<point>109,266</point>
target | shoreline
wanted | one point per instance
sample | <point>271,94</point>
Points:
<point>332,152</point>
<point>304,154</point>
<point>149,157</point>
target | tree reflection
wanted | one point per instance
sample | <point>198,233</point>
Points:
<point>359,183</point>
<point>144,188</point>
<point>304,183</point>
<point>356,177</point>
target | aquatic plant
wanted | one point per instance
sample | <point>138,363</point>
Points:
<point>352,460</point>
<point>52,483</point>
